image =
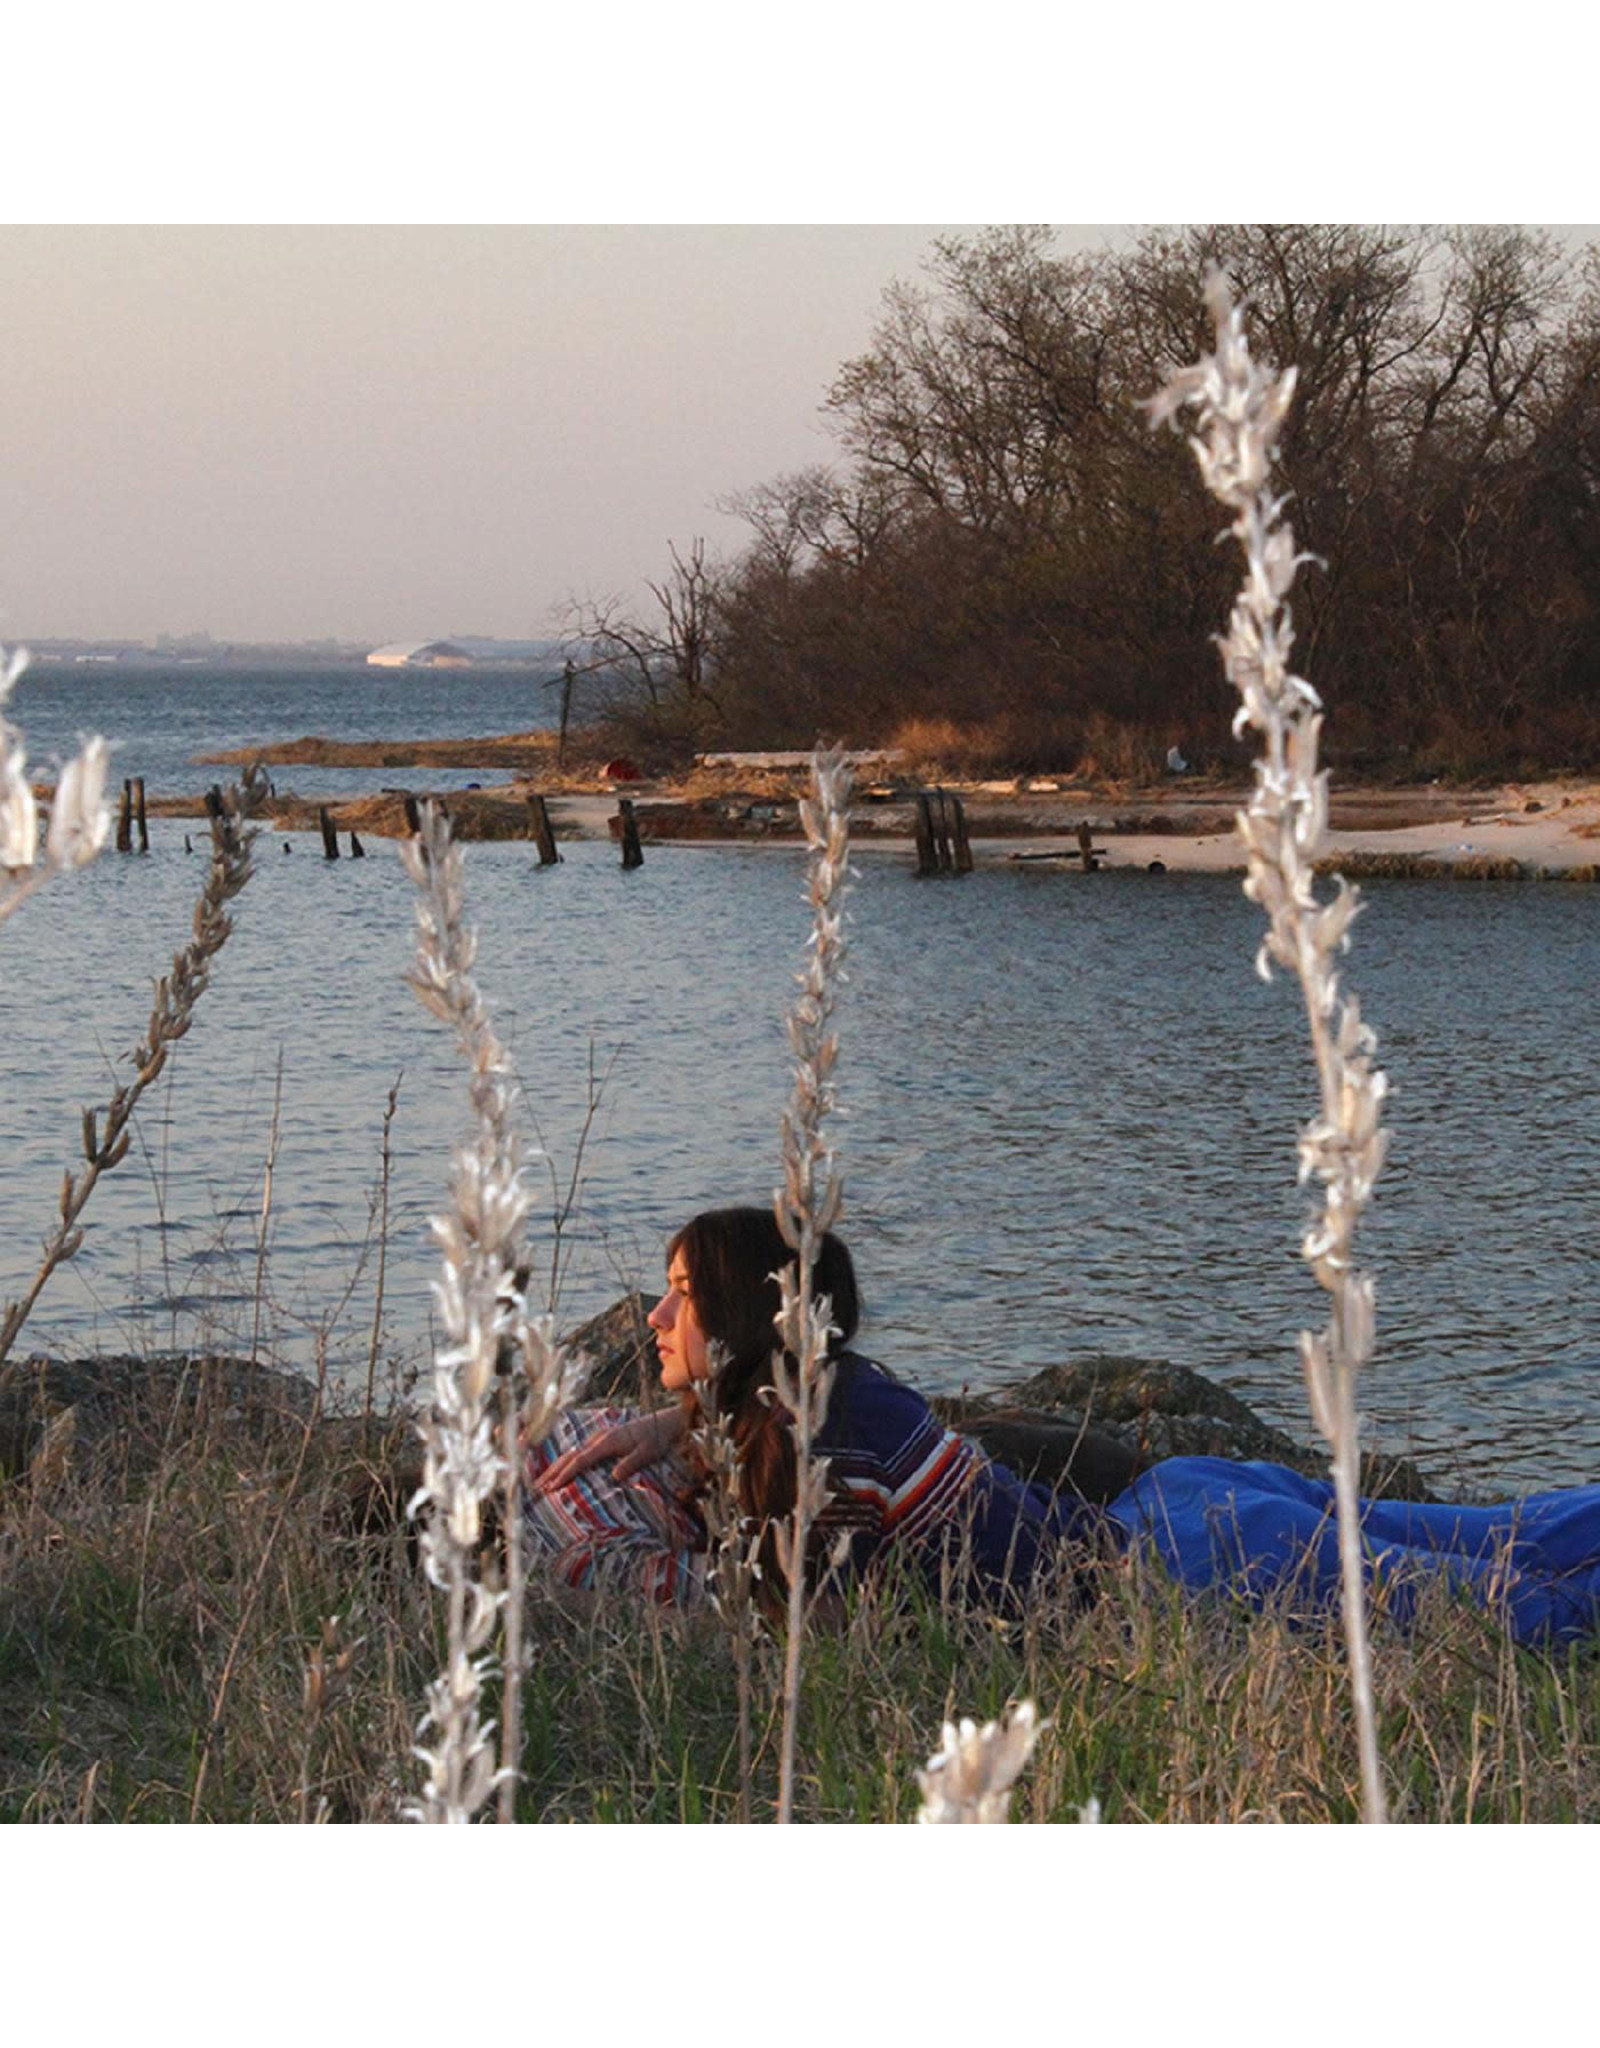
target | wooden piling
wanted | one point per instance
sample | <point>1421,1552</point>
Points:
<point>357,850</point>
<point>330,838</point>
<point>413,815</point>
<point>961,843</point>
<point>941,832</point>
<point>138,812</point>
<point>927,858</point>
<point>632,852</point>
<point>125,820</point>
<point>1090,854</point>
<point>543,832</point>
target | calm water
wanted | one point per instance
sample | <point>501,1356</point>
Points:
<point>160,718</point>
<point>1071,1114</point>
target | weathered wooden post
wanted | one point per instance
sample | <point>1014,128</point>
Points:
<point>963,845</point>
<point>413,814</point>
<point>632,851</point>
<point>1088,852</point>
<point>927,859</point>
<point>941,833</point>
<point>330,838</point>
<point>125,820</point>
<point>543,833</point>
<point>138,811</point>
<point>357,850</point>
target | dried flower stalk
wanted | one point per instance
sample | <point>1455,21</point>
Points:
<point>487,1327</point>
<point>1241,407</point>
<point>970,1776</point>
<point>79,819</point>
<point>808,1202</point>
<point>106,1133</point>
<point>734,1559</point>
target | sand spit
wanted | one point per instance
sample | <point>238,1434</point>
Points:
<point>1515,830</point>
<point>533,751</point>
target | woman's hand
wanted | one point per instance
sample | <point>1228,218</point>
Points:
<point>633,1446</point>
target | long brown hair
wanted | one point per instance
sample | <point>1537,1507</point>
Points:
<point>733,1257</point>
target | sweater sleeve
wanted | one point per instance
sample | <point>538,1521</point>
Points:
<point>902,1479</point>
<point>634,1535</point>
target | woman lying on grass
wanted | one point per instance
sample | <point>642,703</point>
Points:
<point>611,1496</point>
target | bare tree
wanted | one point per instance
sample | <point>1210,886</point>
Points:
<point>665,662</point>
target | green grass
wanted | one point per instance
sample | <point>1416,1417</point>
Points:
<point>134,1598</point>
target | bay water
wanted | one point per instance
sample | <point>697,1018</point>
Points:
<point>1070,1106</point>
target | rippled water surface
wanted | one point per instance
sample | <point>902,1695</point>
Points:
<point>160,719</point>
<point>1071,1116</point>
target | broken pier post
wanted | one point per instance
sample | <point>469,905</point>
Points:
<point>961,844</point>
<point>943,847</point>
<point>138,812</point>
<point>330,838</point>
<point>628,826</point>
<point>125,819</point>
<point>543,833</point>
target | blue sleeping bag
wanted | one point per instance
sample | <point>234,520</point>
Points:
<point>1264,1530</point>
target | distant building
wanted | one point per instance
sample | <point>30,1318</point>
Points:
<point>420,654</point>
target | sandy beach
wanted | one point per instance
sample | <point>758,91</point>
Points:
<point>1185,825</point>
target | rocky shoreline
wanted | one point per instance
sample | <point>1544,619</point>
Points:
<point>56,1412</point>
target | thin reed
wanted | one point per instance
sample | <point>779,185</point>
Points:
<point>499,1371</point>
<point>808,1203</point>
<point>78,819</point>
<point>107,1130</point>
<point>1241,407</point>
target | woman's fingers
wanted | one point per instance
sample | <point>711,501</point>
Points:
<point>571,1463</point>
<point>635,1446</point>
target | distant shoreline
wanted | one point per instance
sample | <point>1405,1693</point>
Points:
<point>1532,828</point>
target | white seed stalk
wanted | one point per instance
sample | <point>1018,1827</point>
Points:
<point>1241,406</point>
<point>970,1776</point>
<point>808,1202</point>
<point>79,819</point>
<point>484,1315</point>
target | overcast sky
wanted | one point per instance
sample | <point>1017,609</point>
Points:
<point>393,433</point>
<point>390,432</point>
<point>398,433</point>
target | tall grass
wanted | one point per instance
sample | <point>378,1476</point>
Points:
<point>78,818</point>
<point>1241,406</point>
<point>808,1203</point>
<point>498,1373</point>
<point>125,1584</point>
<point>107,1130</point>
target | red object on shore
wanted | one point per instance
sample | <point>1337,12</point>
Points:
<point>621,770</point>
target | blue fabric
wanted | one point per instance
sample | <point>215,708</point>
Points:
<point>1263,1529</point>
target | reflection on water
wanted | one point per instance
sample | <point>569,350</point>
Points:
<point>1071,1115</point>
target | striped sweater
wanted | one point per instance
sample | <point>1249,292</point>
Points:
<point>899,1483</point>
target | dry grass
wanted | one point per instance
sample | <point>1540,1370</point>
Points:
<point>127,1577</point>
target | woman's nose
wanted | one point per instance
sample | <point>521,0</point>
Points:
<point>660,1317</point>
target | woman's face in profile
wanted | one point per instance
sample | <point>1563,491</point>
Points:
<point>680,1341</point>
